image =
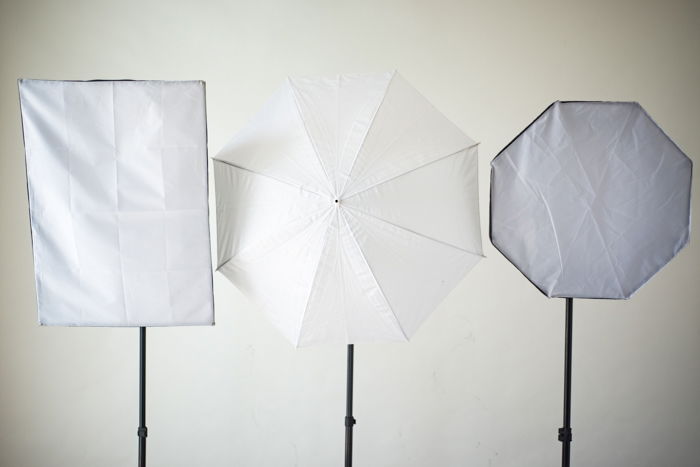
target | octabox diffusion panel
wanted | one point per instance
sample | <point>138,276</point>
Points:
<point>117,183</point>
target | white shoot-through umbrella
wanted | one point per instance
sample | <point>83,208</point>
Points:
<point>347,209</point>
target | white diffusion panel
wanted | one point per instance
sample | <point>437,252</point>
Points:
<point>117,178</point>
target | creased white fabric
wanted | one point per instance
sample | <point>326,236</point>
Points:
<point>591,200</point>
<point>117,178</point>
<point>347,208</point>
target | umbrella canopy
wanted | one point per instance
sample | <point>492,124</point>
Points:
<point>347,208</point>
<point>590,200</point>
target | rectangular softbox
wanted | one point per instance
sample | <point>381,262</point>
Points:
<point>117,184</point>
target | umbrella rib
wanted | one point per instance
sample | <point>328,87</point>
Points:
<point>427,237</point>
<point>312,215</point>
<point>364,139</point>
<point>313,282</point>
<point>323,195</point>
<point>410,170</point>
<point>308,135</point>
<point>342,277</point>
<point>374,278</point>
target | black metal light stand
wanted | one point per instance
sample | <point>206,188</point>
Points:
<point>142,431</point>
<point>349,419</point>
<point>565,431</point>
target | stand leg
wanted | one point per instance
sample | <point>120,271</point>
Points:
<point>142,432</point>
<point>565,431</point>
<point>349,419</point>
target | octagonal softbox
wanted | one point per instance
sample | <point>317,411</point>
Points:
<point>590,200</point>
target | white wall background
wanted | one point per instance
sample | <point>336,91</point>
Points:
<point>481,383</point>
